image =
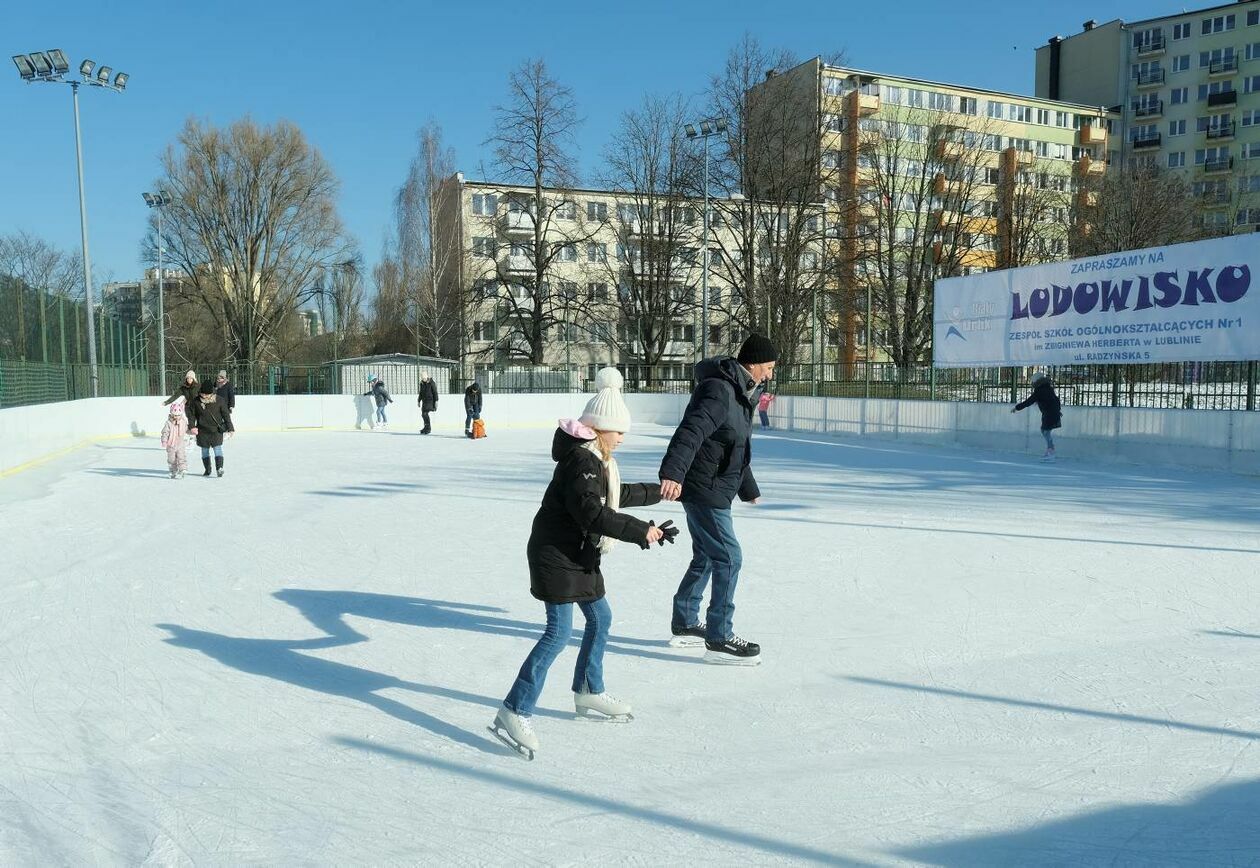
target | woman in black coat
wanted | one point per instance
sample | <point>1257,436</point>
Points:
<point>186,390</point>
<point>576,524</point>
<point>209,419</point>
<point>427,399</point>
<point>1043,395</point>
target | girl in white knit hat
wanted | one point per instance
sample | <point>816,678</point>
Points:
<point>577,523</point>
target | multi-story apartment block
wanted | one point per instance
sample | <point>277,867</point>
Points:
<point>584,277</point>
<point>1188,87</point>
<point>136,302</point>
<point>926,179</point>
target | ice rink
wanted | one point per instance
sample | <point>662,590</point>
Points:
<point>969,659</point>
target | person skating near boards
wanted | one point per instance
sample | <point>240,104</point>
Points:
<point>209,420</point>
<point>427,400</point>
<point>1047,401</point>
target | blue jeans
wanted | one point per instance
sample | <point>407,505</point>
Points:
<point>715,555</point>
<point>472,414</point>
<point>205,451</point>
<point>1048,433</point>
<point>380,414</point>
<point>765,418</point>
<point>588,675</point>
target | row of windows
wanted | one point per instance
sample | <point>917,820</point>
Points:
<point>1153,37</point>
<point>946,102</point>
<point>1215,61</point>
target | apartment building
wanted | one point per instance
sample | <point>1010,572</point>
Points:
<point>1188,89</point>
<point>616,269</point>
<point>962,178</point>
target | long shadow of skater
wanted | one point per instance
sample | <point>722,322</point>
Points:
<point>280,659</point>
<point>128,471</point>
<point>1220,827</point>
<point>327,611</point>
<point>364,410</point>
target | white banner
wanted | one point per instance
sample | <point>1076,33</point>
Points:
<point>1184,302</point>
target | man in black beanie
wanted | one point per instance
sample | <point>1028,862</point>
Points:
<point>706,465</point>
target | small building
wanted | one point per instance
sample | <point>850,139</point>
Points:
<point>400,371</point>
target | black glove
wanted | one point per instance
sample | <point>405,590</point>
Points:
<point>668,531</point>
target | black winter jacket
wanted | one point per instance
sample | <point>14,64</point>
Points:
<point>472,399</point>
<point>227,394</point>
<point>211,420</point>
<point>428,396</point>
<point>186,390</point>
<point>1047,402</point>
<point>380,394</point>
<point>711,452</point>
<point>563,559</point>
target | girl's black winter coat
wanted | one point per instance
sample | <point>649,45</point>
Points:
<point>1047,402</point>
<point>211,421</point>
<point>563,560</point>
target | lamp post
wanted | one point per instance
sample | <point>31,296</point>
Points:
<point>708,127</point>
<point>159,200</point>
<point>51,67</point>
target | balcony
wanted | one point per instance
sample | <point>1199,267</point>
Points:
<point>1093,134</point>
<point>867,104</point>
<point>1216,198</point>
<point>951,151</point>
<point>1223,131</point>
<point>1088,166</point>
<point>1222,99</point>
<point>1150,109</point>
<point>1150,78</point>
<point>517,223</point>
<point>1224,66</point>
<point>1022,158</point>
<point>1216,167</point>
<point>1087,199</point>
<point>518,263</point>
<point>945,217</point>
<point>1150,140</point>
<point>1152,47</point>
<point>941,185</point>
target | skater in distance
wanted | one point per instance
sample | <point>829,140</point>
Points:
<point>209,421</point>
<point>472,407</point>
<point>380,394</point>
<point>427,400</point>
<point>707,465</point>
<point>579,522</point>
<point>1043,395</point>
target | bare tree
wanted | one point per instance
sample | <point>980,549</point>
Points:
<point>33,267</point>
<point>252,225</point>
<point>1132,207</point>
<point>657,263</point>
<point>534,147</point>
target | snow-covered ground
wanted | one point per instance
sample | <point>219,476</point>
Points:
<point>969,659</point>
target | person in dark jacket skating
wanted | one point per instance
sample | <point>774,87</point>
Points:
<point>209,420</point>
<point>578,522</point>
<point>380,394</point>
<point>1043,395</point>
<point>428,400</point>
<point>707,465</point>
<point>186,390</point>
<point>226,392</point>
<point>472,406</point>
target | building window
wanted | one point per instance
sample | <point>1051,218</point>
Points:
<point>1177,160</point>
<point>1180,95</point>
<point>484,290</point>
<point>1181,63</point>
<point>566,211</point>
<point>992,175</point>
<point>1021,113</point>
<point>683,333</point>
<point>1218,24</point>
<point>1177,128</point>
<point>1251,151</point>
<point>1181,31</point>
<point>1253,17</point>
<point>597,292</point>
<point>1218,59</point>
<point>484,204</point>
<point>967,105</point>
<point>483,331</point>
<point>1252,84</point>
<point>715,292</point>
<point>1063,119</point>
<point>1206,90</point>
<point>483,247</point>
<point>996,109</point>
<point>715,334</point>
<point>833,86</point>
<point>566,252</point>
<point>1250,117</point>
<point>596,252</point>
<point>597,211</point>
<point>833,123</point>
<point>1211,155</point>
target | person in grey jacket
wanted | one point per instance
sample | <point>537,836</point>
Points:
<point>376,388</point>
<point>707,465</point>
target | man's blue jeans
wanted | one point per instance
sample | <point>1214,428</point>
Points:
<point>468,420</point>
<point>380,414</point>
<point>716,557</point>
<point>588,675</point>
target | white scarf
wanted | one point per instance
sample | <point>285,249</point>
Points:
<point>605,544</point>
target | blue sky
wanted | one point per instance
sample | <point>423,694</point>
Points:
<point>360,79</point>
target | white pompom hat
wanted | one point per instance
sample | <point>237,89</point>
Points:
<point>607,411</point>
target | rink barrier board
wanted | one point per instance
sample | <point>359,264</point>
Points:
<point>1210,439</point>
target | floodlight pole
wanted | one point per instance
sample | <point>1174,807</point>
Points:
<point>83,234</point>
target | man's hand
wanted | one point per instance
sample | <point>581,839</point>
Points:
<point>1013,409</point>
<point>670,490</point>
<point>754,501</point>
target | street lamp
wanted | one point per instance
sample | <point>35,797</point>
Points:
<point>708,127</point>
<point>159,200</point>
<point>51,67</point>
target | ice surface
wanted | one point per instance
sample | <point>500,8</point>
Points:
<point>969,659</point>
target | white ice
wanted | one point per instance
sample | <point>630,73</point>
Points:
<point>969,659</point>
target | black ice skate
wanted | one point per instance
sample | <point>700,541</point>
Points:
<point>687,637</point>
<point>733,652</point>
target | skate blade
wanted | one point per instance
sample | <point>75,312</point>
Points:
<point>686,642</point>
<point>594,716</point>
<point>719,659</point>
<point>519,749</point>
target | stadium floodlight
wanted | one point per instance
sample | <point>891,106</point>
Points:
<point>690,130</point>
<point>158,201</point>
<point>43,66</point>
<point>708,127</point>
<point>103,74</point>
<point>25,68</point>
<point>59,63</point>
<point>148,199</point>
<point>120,81</point>
<point>86,67</point>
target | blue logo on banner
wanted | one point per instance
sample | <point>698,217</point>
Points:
<point>953,331</point>
<point>956,317</point>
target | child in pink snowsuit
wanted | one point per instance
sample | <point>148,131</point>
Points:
<point>173,434</point>
<point>763,408</point>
